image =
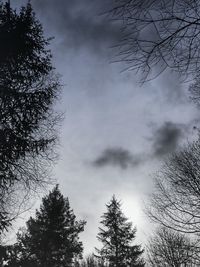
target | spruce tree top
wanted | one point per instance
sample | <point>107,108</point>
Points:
<point>117,236</point>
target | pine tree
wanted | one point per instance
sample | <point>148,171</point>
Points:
<point>117,236</point>
<point>52,238</point>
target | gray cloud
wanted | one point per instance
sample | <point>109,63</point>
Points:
<point>167,138</point>
<point>80,23</point>
<point>117,157</point>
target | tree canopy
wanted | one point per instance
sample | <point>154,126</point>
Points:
<point>116,236</point>
<point>28,90</point>
<point>52,237</point>
<point>170,248</point>
<point>159,34</point>
<point>174,202</point>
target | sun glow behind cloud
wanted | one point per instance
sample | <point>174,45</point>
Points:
<point>133,208</point>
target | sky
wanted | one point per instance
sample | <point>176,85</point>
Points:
<point>116,132</point>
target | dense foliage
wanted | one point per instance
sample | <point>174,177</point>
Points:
<point>28,89</point>
<point>51,238</point>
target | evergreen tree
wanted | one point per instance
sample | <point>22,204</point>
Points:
<point>52,238</point>
<point>28,89</point>
<point>117,236</point>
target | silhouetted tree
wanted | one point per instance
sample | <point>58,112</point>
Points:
<point>175,200</point>
<point>160,34</point>
<point>52,238</point>
<point>28,89</point>
<point>117,236</point>
<point>170,248</point>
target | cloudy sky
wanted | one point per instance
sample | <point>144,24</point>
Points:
<point>116,133</point>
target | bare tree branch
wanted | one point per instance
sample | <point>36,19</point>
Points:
<point>169,248</point>
<point>175,202</point>
<point>159,35</point>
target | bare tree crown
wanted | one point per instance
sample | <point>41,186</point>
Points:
<point>160,34</point>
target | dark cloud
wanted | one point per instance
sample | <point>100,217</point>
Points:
<point>117,157</point>
<point>80,23</point>
<point>167,138</point>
